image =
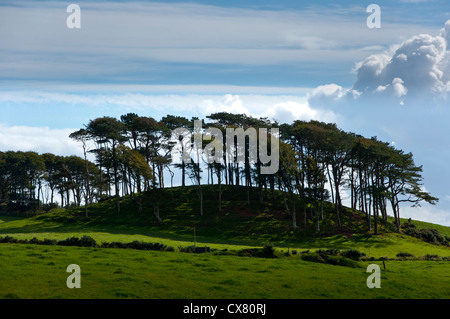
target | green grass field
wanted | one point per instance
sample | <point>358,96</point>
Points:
<point>39,271</point>
<point>33,271</point>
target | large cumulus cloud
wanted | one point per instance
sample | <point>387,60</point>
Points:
<point>418,68</point>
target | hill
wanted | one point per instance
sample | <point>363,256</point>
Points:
<point>238,222</point>
<point>303,264</point>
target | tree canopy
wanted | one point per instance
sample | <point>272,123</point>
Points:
<point>317,162</point>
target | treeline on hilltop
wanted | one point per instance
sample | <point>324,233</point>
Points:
<point>317,162</point>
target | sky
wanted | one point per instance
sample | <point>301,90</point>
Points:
<point>285,60</point>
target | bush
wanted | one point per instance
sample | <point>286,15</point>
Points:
<point>431,257</point>
<point>408,226</point>
<point>314,257</point>
<point>47,242</point>
<point>428,235</point>
<point>329,252</point>
<point>269,250</point>
<point>34,240</point>
<point>414,232</point>
<point>188,249</point>
<point>73,241</point>
<point>404,255</point>
<point>136,244</point>
<point>341,261</point>
<point>114,244</point>
<point>352,254</point>
<point>87,241</point>
<point>8,239</point>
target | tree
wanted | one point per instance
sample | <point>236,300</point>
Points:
<point>108,131</point>
<point>287,174</point>
<point>180,128</point>
<point>82,137</point>
<point>405,184</point>
<point>135,165</point>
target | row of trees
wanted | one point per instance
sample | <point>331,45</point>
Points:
<point>374,173</point>
<point>28,180</point>
<point>317,162</point>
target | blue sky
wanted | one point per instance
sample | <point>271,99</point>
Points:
<point>282,59</point>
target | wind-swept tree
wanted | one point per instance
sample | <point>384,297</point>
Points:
<point>108,131</point>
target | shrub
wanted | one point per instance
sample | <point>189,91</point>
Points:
<point>87,241</point>
<point>414,232</point>
<point>136,244</point>
<point>139,245</point>
<point>408,226</point>
<point>187,249</point>
<point>46,242</point>
<point>341,261</point>
<point>269,250</point>
<point>388,225</point>
<point>330,252</point>
<point>34,240</point>
<point>404,255</point>
<point>8,239</point>
<point>352,254</point>
<point>118,244</point>
<point>159,246</point>
<point>428,235</point>
<point>73,241</point>
<point>314,257</point>
<point>431,257</point>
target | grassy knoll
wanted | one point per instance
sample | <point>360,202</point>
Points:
<point>237,224</point>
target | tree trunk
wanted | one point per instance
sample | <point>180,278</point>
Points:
<point>156,212</point>
<point>294,216</point>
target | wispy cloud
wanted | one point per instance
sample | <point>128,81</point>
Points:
<point>147,41</point>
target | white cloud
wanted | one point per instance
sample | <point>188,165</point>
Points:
<point>282,107</point>
<point>418,66</point>
<point>398,87</point>
<point>38,139</point>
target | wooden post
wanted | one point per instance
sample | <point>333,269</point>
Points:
<point>384,265</point>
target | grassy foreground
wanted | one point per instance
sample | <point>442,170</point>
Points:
<point>39,271</point>
<point>32,271</point>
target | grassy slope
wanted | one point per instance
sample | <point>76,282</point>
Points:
<point>117,273</point>
<point>237,224</point>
